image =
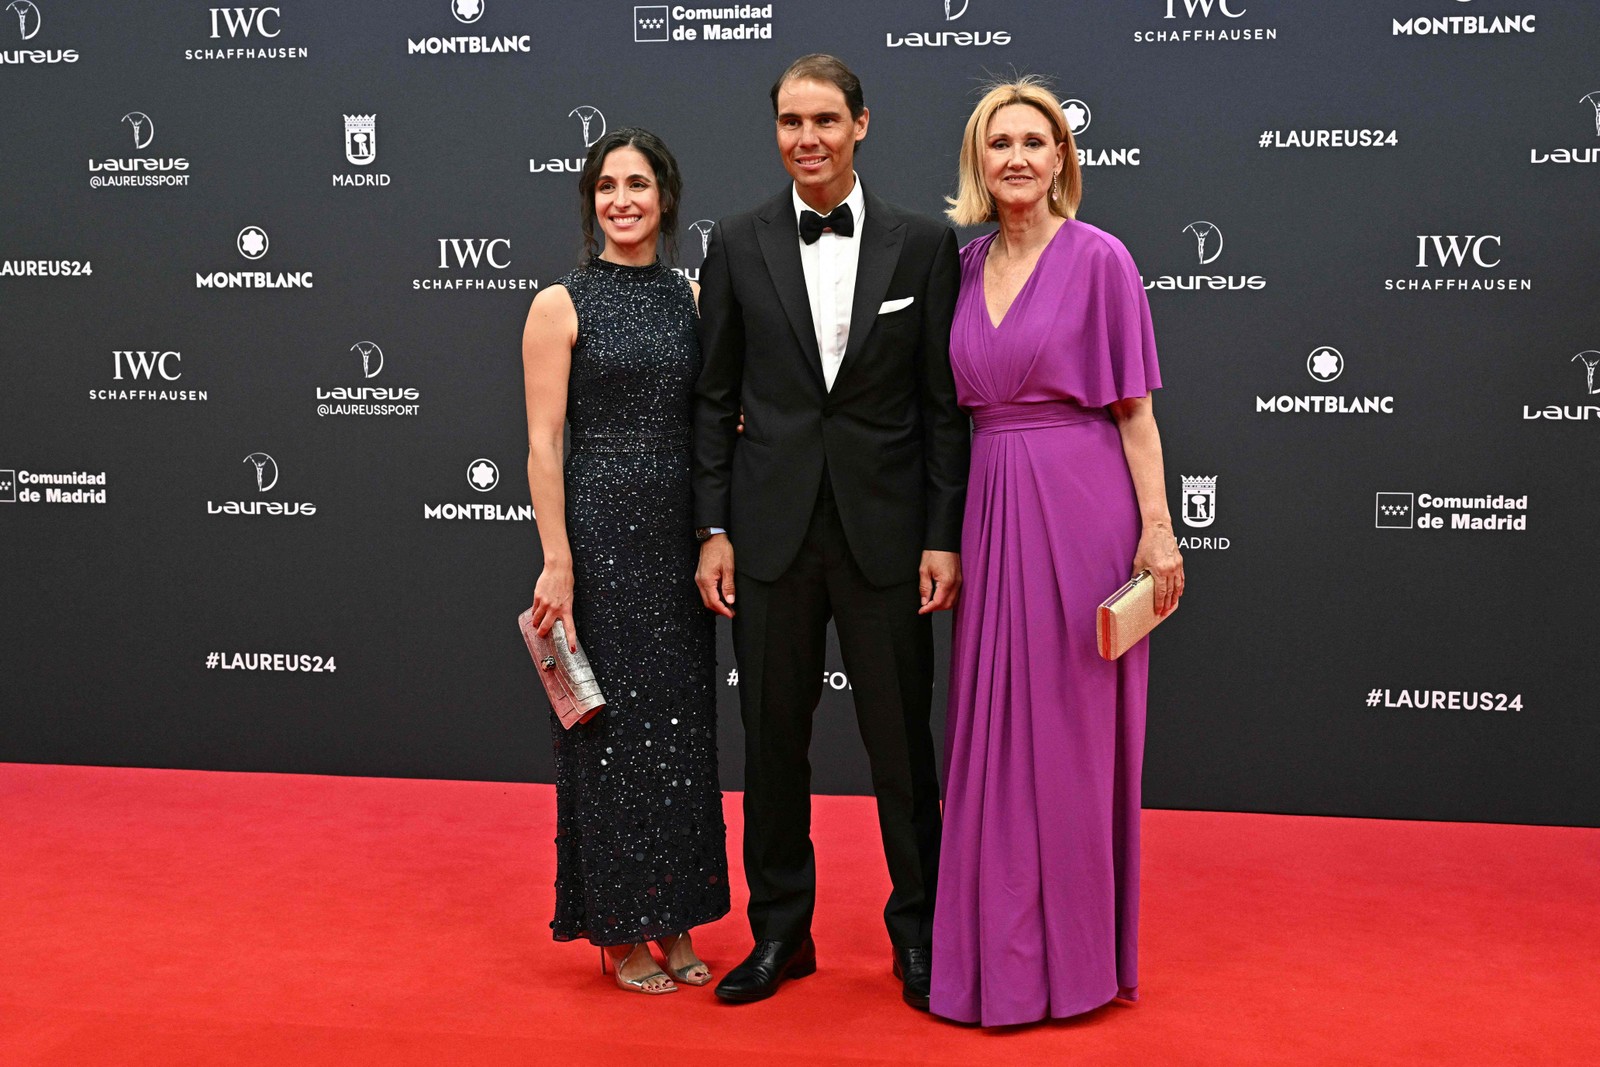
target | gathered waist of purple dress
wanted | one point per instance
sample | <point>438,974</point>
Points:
<point>1035,415</point>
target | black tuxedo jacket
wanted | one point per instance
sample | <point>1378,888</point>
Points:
<point>894,443</point>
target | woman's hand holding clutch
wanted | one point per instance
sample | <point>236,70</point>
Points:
<point>552,601</point>
<point>1158,553</point>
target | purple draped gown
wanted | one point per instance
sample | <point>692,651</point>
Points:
<point>1037,909</point>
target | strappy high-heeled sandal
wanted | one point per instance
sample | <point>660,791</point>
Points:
<point>682,974</point>
<point>637,985</point>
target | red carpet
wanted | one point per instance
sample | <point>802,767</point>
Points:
<point>169,917</point>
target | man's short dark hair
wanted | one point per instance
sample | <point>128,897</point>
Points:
<point>821,67</point>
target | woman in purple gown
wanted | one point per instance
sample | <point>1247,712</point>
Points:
<point>1054,357</point>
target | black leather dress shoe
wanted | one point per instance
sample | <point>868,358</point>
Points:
<point>768,964</point>
<point>914,968</point>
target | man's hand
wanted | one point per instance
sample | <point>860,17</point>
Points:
<point>939,580</point>
<point>715,574</point>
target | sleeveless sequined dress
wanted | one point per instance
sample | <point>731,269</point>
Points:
<point>640,841</point>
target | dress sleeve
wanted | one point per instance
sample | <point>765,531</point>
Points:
<point>1117,347</point>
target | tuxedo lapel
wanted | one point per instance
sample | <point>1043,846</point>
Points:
<point>779,238</point>
<point>881,237</point>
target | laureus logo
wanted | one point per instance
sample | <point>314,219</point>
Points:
<point>144,128</point>
<point>27,18</point>
<point>593,124</point>
<point>589,116</point>
<point>702,227</point>
<point>953,10</point>
<point>1593,100</point>
<point>266,470</point>
<point>1573,155</point>
<point>1590,360</point>
<point>1208,240</point>
<point>371,358</point>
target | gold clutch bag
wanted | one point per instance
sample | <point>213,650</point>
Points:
<point>1126,616</point>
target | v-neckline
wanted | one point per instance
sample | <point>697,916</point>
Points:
<point>983,278</point>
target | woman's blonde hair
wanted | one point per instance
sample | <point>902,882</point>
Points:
<point>972,205</point>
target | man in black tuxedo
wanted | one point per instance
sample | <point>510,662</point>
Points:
<point>825,321</point>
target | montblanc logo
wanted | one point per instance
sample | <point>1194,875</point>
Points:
<point>1206,239</point>
<point>1446,25</point>
<point>28,22</point>
<point>361,150</point>
<point>592,125</point>
<point>1456,251</point>
<point>367,399</point>
<point>953,10</point>
<point>656,23</point>
<point>469,13</point>
<point>483,476</point>
<point>263,474</point>
<point>474,254</point>
<point>1589,359</point>
<point>133,171</point>
<point>1325,365</point>
<point>139,370</point>
<point>1186,12</point>
<point>1591,109</point>
<point>246,31</point>
<point>1079,118</point>
<point>253,244</point>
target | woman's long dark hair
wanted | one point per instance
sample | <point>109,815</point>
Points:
<point>669,183</point>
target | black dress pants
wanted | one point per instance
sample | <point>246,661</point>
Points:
<point>779,635</point>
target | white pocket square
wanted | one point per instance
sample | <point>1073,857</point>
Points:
<point>895,305</point>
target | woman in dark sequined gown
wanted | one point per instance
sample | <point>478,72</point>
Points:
<point>610,351</point>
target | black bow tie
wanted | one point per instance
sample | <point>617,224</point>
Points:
<point>839,220</point>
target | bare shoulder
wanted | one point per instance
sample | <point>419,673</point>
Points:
<point>553,300</point>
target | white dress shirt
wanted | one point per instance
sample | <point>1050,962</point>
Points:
<point>830,267</point>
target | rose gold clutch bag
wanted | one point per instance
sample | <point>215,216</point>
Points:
<point>568,679</point>
<point>1126,616</point>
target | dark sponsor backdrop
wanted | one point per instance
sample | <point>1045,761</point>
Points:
<point>1380,421</point>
